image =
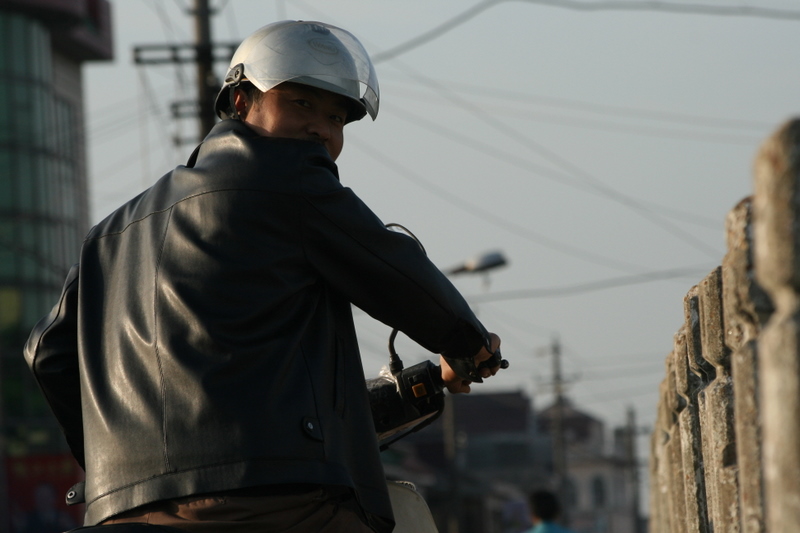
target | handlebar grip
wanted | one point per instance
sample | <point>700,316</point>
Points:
<point>495,360</point>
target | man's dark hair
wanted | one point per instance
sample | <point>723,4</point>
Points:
<point>252,93</point>
<point>544,505</point>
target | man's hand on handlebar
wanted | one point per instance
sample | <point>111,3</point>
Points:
<point>454,383</point>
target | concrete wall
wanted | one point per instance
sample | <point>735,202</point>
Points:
<point>725,452</point>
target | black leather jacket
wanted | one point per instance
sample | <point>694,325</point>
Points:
<point>205,341</point>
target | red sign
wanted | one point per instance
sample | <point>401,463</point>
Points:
<point>37,485</point>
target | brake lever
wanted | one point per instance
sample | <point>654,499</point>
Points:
<point>467,369</point>
<point>494,361</point>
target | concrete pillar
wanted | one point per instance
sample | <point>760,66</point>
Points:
<point>746,309</point>
<point>672,448</point>
<point>661,494</point>
<point>703,373</point>
<point>776,218</point>
<point>687,385</point>
<point>717,411</point>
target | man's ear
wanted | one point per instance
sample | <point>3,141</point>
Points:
<point>240,102</point>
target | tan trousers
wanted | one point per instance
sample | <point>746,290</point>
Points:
<point>280,509</point>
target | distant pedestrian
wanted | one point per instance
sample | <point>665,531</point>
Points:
<point>545,509</point>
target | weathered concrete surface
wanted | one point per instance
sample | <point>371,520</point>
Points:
<point>660,496</point>
<point>687,385</point>
<point>731,395</point>
<point>776,224</point>
<point>717,411</point>
<point>672,449</point>
<point>704,374</point>
<point>746,307</point>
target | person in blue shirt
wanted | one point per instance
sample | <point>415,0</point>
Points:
<point>545,509</point>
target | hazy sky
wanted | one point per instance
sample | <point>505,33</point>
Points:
<point>597,149</point>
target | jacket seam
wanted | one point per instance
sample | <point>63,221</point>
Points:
<point>157,344</point>
<point>172,206</point>
<point>61,304</point>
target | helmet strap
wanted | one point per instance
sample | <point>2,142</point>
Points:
<point>232,112</point>
<point>232,81</point>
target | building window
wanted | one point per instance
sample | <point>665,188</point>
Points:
<point>598,492</point>
<point>571,496</point>
<point>511,454</point>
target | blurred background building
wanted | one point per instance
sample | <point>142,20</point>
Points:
<point>44,215</point>
<point>476,473</point>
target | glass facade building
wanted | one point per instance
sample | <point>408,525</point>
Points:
<point>44,212</point>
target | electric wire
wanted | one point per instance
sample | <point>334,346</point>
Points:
<point>488,215</point>
<point>181,5</point>
<point>148,111</point>
<point>698,9</point>
<point>563,163</point>
<point>693,120</point>
<point>591,286</point>
<point>642,389</point>
<point>607,126</point>
<point>172,36</point>
<point>318,14</point>
<point>634,360</point>
<point>166,23</point>
<point>144,150</point>
<point>527,326</point>
<point>629,373</point>
<point>230,14</point>
<point>583,386</point>
<point>528,166</point>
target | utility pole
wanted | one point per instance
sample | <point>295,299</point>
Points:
<point>206,82</point>
<point>558,433</point>
<point>451,455</point>
<point>203,52</point>
<point>633,465</point>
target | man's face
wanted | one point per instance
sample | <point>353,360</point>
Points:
<point>296,111</point>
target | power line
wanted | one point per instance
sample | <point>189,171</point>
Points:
<point>592,182</point>
<point>697,121</point>
<point>564,163</point>
<point>635,360</point>
<point>605,125</point>
<point>528,166</point>
<point>233,26</point>
<point>693,9</point>
<point>183,6</point>
<point>642,389</point>
<point>581,288</point>
<point>525,325</point>
<point>617,374</point>
<point>490,216</point>
<point>169,30</point>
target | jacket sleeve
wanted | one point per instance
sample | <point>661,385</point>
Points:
<point>386,274</point>
<point>52,355</point>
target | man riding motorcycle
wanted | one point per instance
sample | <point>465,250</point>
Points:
<point>202,359</point>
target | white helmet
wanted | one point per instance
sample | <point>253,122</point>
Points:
<point>310,53</point>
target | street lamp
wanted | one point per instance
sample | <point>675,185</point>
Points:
<point>479,264</point>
